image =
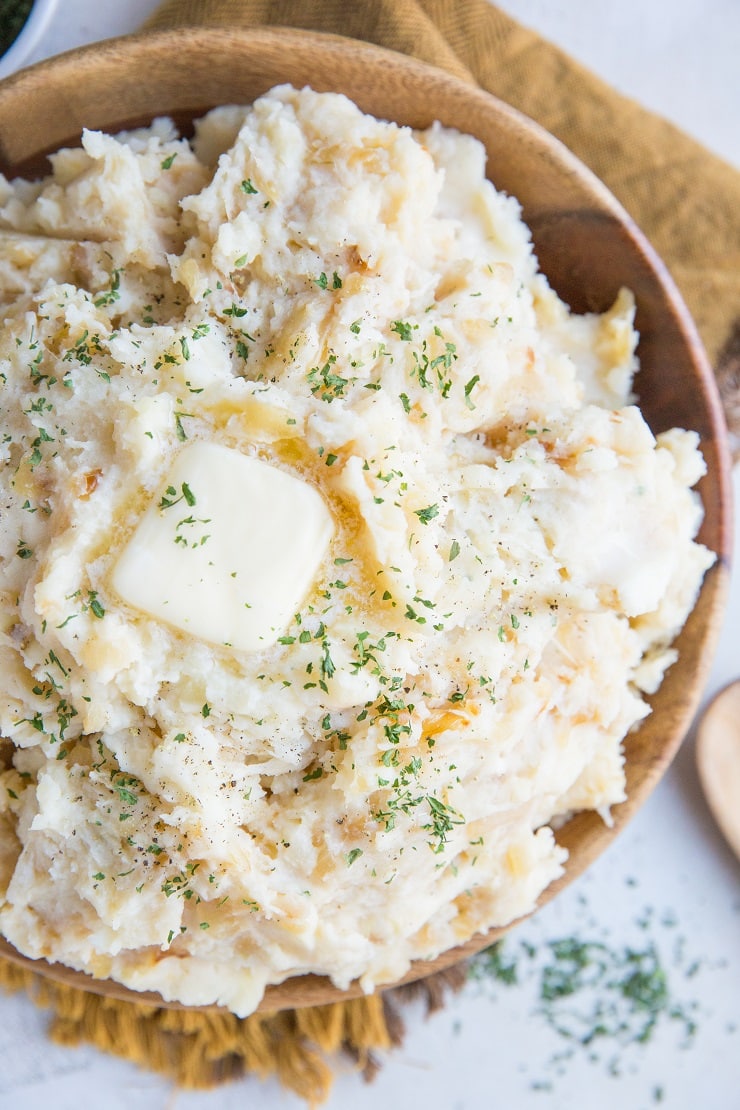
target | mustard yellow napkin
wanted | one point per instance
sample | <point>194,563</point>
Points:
<point>687,201</point>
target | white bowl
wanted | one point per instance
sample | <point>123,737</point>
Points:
<point>34,27</point>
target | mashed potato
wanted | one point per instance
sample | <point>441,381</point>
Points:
<point>462,554</point>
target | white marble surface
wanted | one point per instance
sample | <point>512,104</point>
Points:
<point>669,885</point>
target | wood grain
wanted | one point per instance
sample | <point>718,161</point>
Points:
<point>587,245</point>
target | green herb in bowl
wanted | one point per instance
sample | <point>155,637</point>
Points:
<point>13,16</point>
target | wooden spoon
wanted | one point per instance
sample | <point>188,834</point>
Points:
<point>718,761</point>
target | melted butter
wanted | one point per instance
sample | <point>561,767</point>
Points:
<point>370,580</point>
<point>228,550</point>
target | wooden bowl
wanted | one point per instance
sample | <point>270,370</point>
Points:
<point>587,245</point>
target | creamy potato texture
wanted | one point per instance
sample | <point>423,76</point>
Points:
<point>484,550</point>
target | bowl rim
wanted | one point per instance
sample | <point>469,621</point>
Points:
<point>37,20</point>
<point>310,989</point>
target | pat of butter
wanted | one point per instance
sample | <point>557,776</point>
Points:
<point>228,550</point>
